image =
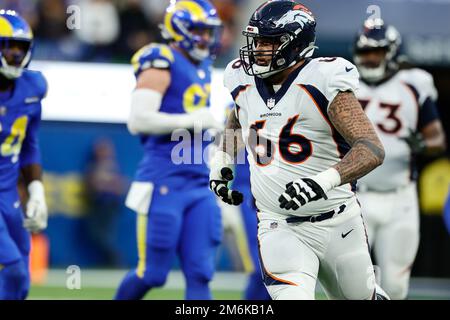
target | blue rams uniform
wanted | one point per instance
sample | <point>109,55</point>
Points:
<point>183,216</point>
<point>20,114</point>
<point>189,91</point>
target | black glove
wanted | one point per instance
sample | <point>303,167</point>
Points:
<point>218,183</point>
<point>300,192</point>
<point>415,142</point>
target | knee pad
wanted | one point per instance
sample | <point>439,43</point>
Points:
<point>163,230</point>
<point>202,271</point>
<point>355,276</point>
<point>14,281</point>
<point>404,252</point>
<point>395,285</point>
<point>155,279</point>
<point>279,259</point>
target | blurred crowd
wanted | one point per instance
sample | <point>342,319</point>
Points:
<point>106,30</point>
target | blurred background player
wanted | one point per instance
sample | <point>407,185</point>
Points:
<point>176,213</point>
<point>21,92</point>
<point>401,105</point>
<point>105,188</point>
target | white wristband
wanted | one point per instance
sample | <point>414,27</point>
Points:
<point>221,159</point>
<point>328,179</point>
<point>36,190</point>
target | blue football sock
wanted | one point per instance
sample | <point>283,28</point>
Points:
<point>14,281</point>
<point>132,287</point>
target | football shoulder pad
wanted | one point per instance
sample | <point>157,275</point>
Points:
<point>421,82</point>
<point>154,55</point>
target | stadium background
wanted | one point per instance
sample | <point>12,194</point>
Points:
<point>89,85</point>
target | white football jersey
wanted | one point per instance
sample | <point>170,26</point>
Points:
<point>292,136</point>
<point>395,107</point>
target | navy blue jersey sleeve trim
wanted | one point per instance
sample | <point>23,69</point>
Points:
<point>428,113</point>
<point>237,91</point>
<point>322,102</point>
<point>414,91</point>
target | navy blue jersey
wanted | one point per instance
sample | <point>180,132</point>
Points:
<point>20,116</point>
<point>188,91</point>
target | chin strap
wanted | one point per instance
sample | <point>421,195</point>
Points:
<point>307,52</point>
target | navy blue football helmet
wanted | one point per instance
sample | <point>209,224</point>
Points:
<point>289,24</point>
<point>376,35</point>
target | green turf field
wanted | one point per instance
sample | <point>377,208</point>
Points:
<point>91,293</point>
<point>102,284</point>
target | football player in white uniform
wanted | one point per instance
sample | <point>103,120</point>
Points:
<point>308,140</point>
<point>401,106</point>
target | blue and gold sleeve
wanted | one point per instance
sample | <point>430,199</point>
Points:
<point>157,56</point>
<point>30,152</point>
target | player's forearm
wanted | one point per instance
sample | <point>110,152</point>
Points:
<point>351,122</point>
<point>434,138</point>
<point>363,157</point>
<point>232,142</point>
<point>159,122</point>
<point>31,173</point>
<point>435,145</point>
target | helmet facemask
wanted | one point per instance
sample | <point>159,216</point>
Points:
<point>188,28</point>
<point>283,53</point>
<point>389,43</point>
<point>15,55</point>
<point>371,72</point>
<point>288,24</point>
<point>200,48</point>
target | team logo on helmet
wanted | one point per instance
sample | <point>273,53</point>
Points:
<point>299,16</point>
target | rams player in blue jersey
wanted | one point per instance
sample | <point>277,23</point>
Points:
<point>21,92</point>
<point>176,216</point>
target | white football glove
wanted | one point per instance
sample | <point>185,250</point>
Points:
<point>219,177</point>
<point>36,210</point>
<point>301,191</point>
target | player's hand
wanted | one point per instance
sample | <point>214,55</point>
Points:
<point>415,141</point>
<point>300,192</point>
<point>36,210</point>
<point>219,177</point>
<point>204,119</point>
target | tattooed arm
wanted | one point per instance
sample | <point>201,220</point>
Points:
<point>366,154</point>
<point>221,172</point>
<point>351,122</point>
<point>232,138</point>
